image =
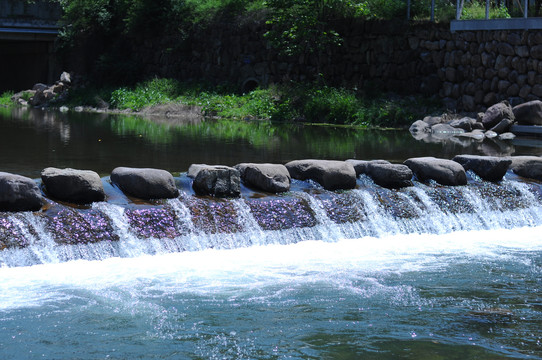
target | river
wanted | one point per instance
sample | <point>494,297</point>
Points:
<point>427,272</point>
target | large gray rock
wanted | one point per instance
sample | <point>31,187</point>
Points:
<point>490,168</point>
<point>331,174</point>
<point>40,87</point>
<point>19,193</point>
<point>465,123</point>
<point>393,176</point>
<point>496,113</point>
<point>503,126</point>
<point>145,183</point>
<point>445,172</point>
<point>432,120</point>
<point>362,166</point>
<point>215,180</point>
<point>66,78</point>
<point>273,178</point>
<point>527,166</point>
<point>76,186</point>
<point>529,113</point>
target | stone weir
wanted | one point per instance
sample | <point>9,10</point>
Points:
<point>74,214</point>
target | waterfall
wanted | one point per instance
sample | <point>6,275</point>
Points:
<point>190,223</point>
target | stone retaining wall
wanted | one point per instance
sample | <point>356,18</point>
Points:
<point>469,70</point>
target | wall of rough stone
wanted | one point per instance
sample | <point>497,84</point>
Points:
<point>468,70</point>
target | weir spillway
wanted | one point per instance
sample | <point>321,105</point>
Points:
<point>122,227</point>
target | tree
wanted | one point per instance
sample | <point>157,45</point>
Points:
<point>303,26</point>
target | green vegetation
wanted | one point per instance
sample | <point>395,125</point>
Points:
<point>477,10</point>
<point>156,91</point>
<point>290,102</point>
<point>5,98</point>
<point>113,29</point>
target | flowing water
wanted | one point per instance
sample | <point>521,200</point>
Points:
<point>426,272</point>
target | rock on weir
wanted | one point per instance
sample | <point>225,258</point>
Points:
<point>273,178</point>
<point>71,185</point>
<point>331,174</point>
<point>490,168</point>
<point>19,193</point>
<point>384,173</point>
<point>215,180</point>
<point>527,166</point>
<point>445,172</point>
<point>145,183</point>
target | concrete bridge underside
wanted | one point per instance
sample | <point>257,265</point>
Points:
<point>27,34</point>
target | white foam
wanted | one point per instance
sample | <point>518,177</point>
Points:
<point>209,271</point>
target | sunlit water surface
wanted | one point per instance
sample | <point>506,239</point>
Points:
<point>462,295</point>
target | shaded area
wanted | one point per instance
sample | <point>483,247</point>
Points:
<point>35,139</point>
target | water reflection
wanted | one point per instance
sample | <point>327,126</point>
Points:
<point>33,139</point>
<point>484,146</point>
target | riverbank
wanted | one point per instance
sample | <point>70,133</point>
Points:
<point>293,102</point>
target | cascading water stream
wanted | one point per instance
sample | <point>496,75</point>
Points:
<point>188,223</point>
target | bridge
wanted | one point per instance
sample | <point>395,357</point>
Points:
<point>27,35</point>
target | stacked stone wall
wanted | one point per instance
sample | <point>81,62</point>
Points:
<point>468,70</point>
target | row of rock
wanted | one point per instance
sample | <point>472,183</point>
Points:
<point>495,121</point>
<point>42,94</point>
<point>19,193</point>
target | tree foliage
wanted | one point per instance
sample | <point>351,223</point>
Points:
<point>306,26</point>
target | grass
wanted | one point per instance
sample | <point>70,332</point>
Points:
<point>293,102</point>
<point>5,98</point>
<point>476,10</point>
<point>153,92</point>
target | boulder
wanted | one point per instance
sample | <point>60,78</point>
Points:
<point>19,193</point>
<point>215,180</point>
<point>432,120</point>
<point>362,166</point>
<point>40,87</point>
<point>527,166</point>
<point>496,113</point>
<point>392,176</point>
<point>145,183</point>
<point>478,126</point>
<point>490,168</point>
<point>445,172</point>
<point>529,113</point>
<point>503,126</point>
<point>194,169</point>
<point>465,123</point>
<point>331,174</point>
<point>41,97</point>
<point>273,178</point>
<point>76,186</point>
<point>65,77</point>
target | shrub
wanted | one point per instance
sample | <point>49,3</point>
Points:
<point>156,91</point>
<point>5,98</point>
<point>477,10</point>
<point>331,105</point>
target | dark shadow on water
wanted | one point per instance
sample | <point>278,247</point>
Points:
<point>33,139</point>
